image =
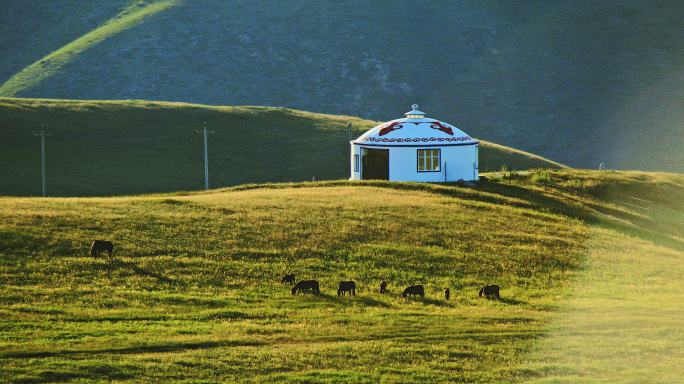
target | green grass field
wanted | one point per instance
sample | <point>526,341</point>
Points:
<point>131,147</point>
<point>624,322</point>
<point>131,15</point>
<point>193,292</point>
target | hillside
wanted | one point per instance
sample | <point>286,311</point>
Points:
<point>193,291</point>
<point>601,78</point>
<point>129,147</point>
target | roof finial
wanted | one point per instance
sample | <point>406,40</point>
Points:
<point>414,113</point>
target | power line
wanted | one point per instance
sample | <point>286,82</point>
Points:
<point>206,155</point>
<point>42,135</point>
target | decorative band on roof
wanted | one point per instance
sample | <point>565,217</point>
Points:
<point>416,139</point>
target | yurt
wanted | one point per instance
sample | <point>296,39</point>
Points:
<point>415,148</point>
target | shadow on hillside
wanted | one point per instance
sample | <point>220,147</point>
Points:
<point>120,264</point>
<point>501,193</point>
<point>371,302</point>
<point>646,234</point>
<point>148,348</point>
<point>537,198</point>
<point>427,300</point>
<point>105,372</point>
<point>575,207</point>
<point>511,301</point>
<point>554,202</point>
<point>111,319</point>
<point>350,300</point>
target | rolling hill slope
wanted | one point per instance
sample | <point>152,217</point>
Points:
<point>37,72</point>
<point>128,147</point>
<point>30,31</point>
<point>602,78</point>
<point>193,291</point>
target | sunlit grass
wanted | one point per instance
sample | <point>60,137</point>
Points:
<point>625,322</point>
<point>194,290</point>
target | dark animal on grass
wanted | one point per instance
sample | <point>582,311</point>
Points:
<point>100,246</point>
<point>306,286</point>
<point>447,294</point>
<point>414,290</point>
<point>346,287</point>
<point>383,287</point>
<point>289,279</point>
<point>489,291</point>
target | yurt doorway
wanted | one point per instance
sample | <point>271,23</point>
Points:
<point>375,164</point>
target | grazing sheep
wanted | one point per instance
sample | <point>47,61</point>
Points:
<point>346,287</point>
<point>489,291</point>
<point>99,246</point>
<point>414,290</point>
<point>306,285</point>
<point>289,279</point>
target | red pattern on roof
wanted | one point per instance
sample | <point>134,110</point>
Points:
<point>438,125</point>
<point>387,128</point>
<point>395,125</point>
<point>416,139</point>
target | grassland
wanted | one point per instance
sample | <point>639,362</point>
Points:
<point>624,319</point>
<point>624,322</point>
<point>193,291</point>
<point>130,147</point>
<point>47,66</point>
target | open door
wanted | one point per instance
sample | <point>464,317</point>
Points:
<point>375,164</point>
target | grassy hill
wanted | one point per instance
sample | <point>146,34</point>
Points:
<point>601,78</point>
<point>129,147</point>
<point>28,32</point>
<point>193,292</point>
<point>39,71</point>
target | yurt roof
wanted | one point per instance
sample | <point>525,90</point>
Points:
<point>415,130</point>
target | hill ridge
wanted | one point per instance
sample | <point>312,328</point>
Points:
<point>137,146</point>
<point>602,79</point>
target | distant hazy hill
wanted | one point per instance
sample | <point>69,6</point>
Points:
<point>126,147</point>
<point>583,82</point>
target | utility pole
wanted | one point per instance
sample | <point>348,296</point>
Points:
<point>42,135</point>
<point>349,128</point>
<point>206,155</point>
